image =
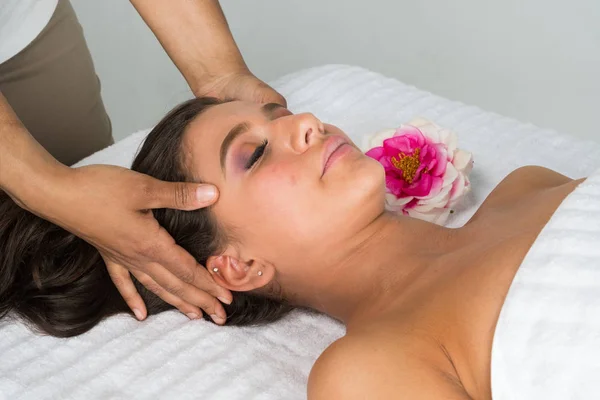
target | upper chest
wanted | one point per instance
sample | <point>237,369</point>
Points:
<point>459,309</point>
<point>477,282</point>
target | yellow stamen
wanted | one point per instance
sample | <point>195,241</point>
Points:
<point>408,165</point>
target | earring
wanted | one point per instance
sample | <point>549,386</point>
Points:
<point>215,269</point>
<point>259,273</point>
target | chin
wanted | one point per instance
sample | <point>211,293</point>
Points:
<point>365,190</point>
<point>370,174</point>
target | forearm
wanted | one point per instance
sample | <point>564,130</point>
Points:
<point>195,34</point>
<point>26,168</point>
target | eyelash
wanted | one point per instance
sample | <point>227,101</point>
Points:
<point>258,153</point>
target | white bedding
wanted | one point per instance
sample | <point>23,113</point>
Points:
<point>168,356</point>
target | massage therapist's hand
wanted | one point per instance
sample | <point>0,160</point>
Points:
<point>240,86</point>
<point>109,207</point>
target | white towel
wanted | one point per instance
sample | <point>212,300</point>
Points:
<point>171,357</point>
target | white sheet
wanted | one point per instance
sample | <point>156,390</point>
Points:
<point>547,340</point>
<point>171,357</point>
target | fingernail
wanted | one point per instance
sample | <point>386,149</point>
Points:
<point>138,314</point>
<point>192,316</point>
<point>217,319</point>
<point>206,193</point>
<point>224,300</point>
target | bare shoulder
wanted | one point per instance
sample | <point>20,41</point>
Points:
<point>530,178</point>
<point>358,368</point>
<point>524,183</point>
<point>539,176</point>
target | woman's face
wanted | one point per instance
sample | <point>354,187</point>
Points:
<point>286,197</point>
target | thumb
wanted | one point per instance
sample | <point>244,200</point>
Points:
<point>183,196</point>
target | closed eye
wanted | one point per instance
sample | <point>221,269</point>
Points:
<point>258,153</point>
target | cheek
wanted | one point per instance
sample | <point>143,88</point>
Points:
<point>279,188</point>
<point>283,197</point>
<point>278,176</point>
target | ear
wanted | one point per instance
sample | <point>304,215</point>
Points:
<point>233,273</point>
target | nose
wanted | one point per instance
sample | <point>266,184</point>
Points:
<point>305,131</point>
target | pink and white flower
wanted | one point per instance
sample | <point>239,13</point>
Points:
<point>426,174</point>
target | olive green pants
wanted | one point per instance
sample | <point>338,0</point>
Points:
<point>53,88</point>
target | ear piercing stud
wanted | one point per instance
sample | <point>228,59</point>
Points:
<point>215,270</point>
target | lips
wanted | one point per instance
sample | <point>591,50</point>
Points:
<point>329,147</point>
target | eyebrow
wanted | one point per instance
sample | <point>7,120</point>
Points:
<point>243,127</point>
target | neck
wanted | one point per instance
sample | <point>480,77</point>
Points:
<point>380,266</point>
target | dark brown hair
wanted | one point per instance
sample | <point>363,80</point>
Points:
<point>58,283</point>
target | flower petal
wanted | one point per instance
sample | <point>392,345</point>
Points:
<point>392,200</point>
<point>421,187</point>
<point>438,197</point>
<point>400,144</point>
<point>462,160</point>
<point>428,128</point>
<point>458,188</point>
<point>376,153</point>
<point>437,183</point>
<point>448,138</point>
<point>376,139</point>
<point>441,161</point>
<point>409,130</point>
<point>419,122</point>
<point>450,175</point>
<point>437,216</point>
<point>395,186</point>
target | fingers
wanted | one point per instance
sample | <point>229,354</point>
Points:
<point>191,311</point>
<point>177,272</point>
<point>184,267</point>
<point>158,286</point>
<point>179,195</point>
<point>170,289</point>
<point>122,280</point>
<point>187,282</point>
